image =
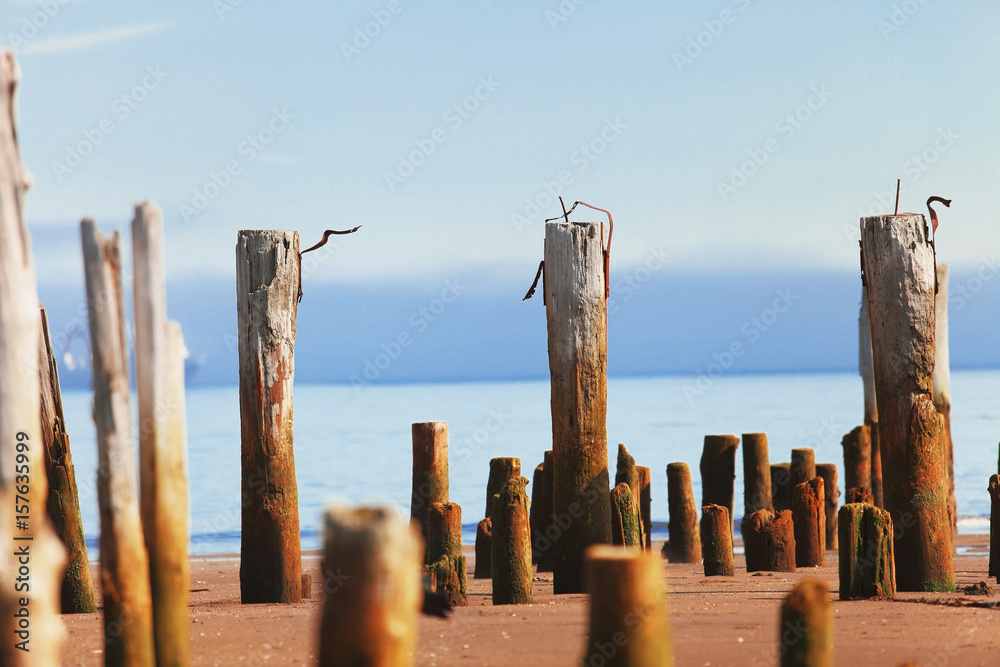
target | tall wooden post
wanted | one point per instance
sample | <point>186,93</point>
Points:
<point>576,311</point>
<point>21,442</point>
<point>900,274</point>
<point>828,471</point>
<point>128,611</point>
<point>546,544</point>
<point>857,458</point>
<point>430,470</point>
<point>63,505</point>
<point>756,474</point>
<point>267,282</point>
<point>941,381</point>
<point>867,370</point>
<point>718,471</point>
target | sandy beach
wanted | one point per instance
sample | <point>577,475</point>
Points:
<point>716,621</point>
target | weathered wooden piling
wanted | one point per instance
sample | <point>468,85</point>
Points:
<point>371,566</point>
<point>806,633</point>
<point>430,470</point>
<point>809,521</point>
<point>625,519</point>
<point>900,276</point>
<point>941,382</point>
<point>717,541</point>
<point>629,621</point>
<point>867,370</point>
<point>803,467</point>
<point>63,503</point>
<point>128,611</point>
<point>769,541</point>
<point>645,504</point>
<point>534,517</point>
<point>484,549</point>
<point>857,458</point>
<point>627,472</point>
<point>994,489</point>
<point>576,311</point>
<point>306,585</point>
<point>781,486</point>
<point>684,541</point>
<point>267,283</point>
<point>756,474</point>
<point>444,559</point>
<point>828,471</point>
<point>502,470</point>
<point>718,471</point>
<point>511,545</point>
<point>866,563</point>
<point>546,546</point>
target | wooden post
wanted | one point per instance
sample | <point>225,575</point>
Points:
<point>21,439</point>
<point>267,283</point>
<point>128,612</point>
<point>163,493</point>
<point>444,560</point>
<point>627,472</point>
<point>899,269</point>
<point>781,486</point>
<point>645,503</point>
<point>625,517</point>
<point>857,458</point>
<point>629,622</point>
<point>718,471</point>
<point>370,612</point>
<point>806,633</point>
<point>546,546</point>
<point>756,475</point>
<point>717,541</point>
<point>803,466</point>
<point>769,540</point>
<point>828,471</point>
<point>502,470</point>
<point>866,562</point>
<point>684,542</point>
<point>511,546</point>
<point>430,470</point>
<point>867,369</point>
<point>941,382</point>
<point>576,312</point>
<point>534,516</point>
<point>809,521</point>
<point>994,564</point>
<point>63,504</point>
<point>484,549</point>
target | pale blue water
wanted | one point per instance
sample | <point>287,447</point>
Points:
<point>353,445</point>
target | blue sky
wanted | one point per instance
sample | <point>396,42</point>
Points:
<point>648,109</point>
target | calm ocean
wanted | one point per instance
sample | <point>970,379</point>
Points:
<point>352,445</point>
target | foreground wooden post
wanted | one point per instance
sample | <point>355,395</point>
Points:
<point>511,545</point>
<point>899,269</point>
<point>430,470</point>
<point>629,622</point>
<point>994,489</point>
<point>781,486</point>
<point>684,542</point>
<point>267,282</point>
<point>484,549</point>
<point>371,617</point>
<point>717,541</point>
<point>809,521</point>
<point>546,545</point>
<point>857,458</point>
<point>718,471</point>
<point>63,504</point>
<point>867,370</point>
<point>444,559</point>
<point>502,470</point>
<point>803,467</point>
<point>576,312</point>
<point>769,540</point>
<point>941,382</point>
<point>625,520</point>
<point>128,612</point>
<point>828,471</point>
<point>806,632</point>
<point>21,440</point>
<point>867,567</point>
<point>645,502</point>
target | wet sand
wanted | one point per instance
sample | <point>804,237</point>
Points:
<point>716,621</point>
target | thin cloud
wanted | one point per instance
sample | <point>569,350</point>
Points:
<point>92,39</point>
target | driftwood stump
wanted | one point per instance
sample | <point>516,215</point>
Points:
<point>511,545</point>
<point>867,566</point>
<point>718,471</point>
<point>625,518</point>
<point>769,541</point>
<point>444,559</point>
<point>809,521</point>
<point>828,471</point>
<point>806,632</point>
<point>717,541</point>
<point>684,542</point>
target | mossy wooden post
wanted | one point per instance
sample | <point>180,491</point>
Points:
<point>546,546</point>
<point>484,549</point>
<point>803,467</point>
<point>21,438</point>
<point>866,563</point>
<point>577,317</point>
<point>502,470</point>
<point>645,504</point>
<point>511,553</point>
<point>629,619</point>
<point>806,633</point>
<point>627,472</point>
<point>781,486</point>
<point>444,550</point>
<point>371,619</point>
<point>625,517</point>
<point>769,539</point>
<point>941,382</point>
<point>267,283</point>
<point>684,541</point>
<point>430,470</point>
<point>828,471</point>
<point>717,541</point>
<point>63,504</point>
<point>809,523</point>
<point>994,489</point>
<point>857,458</point>
<point>867,370</point>
<point>718,471</point>
<point>900,274</point>
<point>128,611</point>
